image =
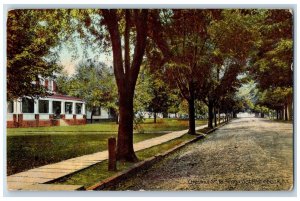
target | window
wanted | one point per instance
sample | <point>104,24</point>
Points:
<point>43,106</point>
<point>27,105</point>
<point>97,111</point>
<point>78,108</point>
<point>68,108</point>
<point>10,107</point>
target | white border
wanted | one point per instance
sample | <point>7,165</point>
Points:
<point>129,4</point>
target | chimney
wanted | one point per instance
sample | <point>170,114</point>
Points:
<point>54,86</point>
<point>46,83</point>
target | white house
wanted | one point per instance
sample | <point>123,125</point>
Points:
<point>100,114</point>
<point>54,110</point>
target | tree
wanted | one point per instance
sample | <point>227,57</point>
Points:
<point>161,93</point>
<point>272,64</point>
<point>174,102</point>
<point>276,99</point>
<point>126,70</point>
<point>94,82</point>
<point>180,39</point>
<point>122,31</point>
<point>32,36</point>
<point>231,38</point>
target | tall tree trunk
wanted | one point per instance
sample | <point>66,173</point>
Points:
<point>125,133</point>
<point>117,118</point>
<point>126,71</point>
<point>290,111</point>
<point>191,101</point>
<point>154,117</point>
<point>215,116</point>
<point>261,114</point>
<point>192,126</point>
<point>92,114</point>
<point>286,112</point>
<point>277,114</point>
<point>210,114</point>
<point>219,116</point>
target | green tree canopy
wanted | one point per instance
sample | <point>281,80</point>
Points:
<point>32,40</point>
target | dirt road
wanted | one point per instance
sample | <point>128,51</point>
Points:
<point>247,154</point>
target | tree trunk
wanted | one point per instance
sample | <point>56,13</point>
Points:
<point>126,71</point>
<point>117,118</point>
<point>192,126</point>
<point>261,114</point>
<point>219,116</point>
<point>286,113</point>
<point>290,111</point>
<point>154,117</point>
<point>215,116</point>
<point>191,101</point>
<point>125,150</point>
<point>92,114</point>
<point>210,114</point>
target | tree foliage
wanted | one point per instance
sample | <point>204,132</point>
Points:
<point>32,36</point>
<point>93,82</point>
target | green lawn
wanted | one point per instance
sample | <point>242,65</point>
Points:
<point>33,147</point>
<point>26,152</point>
<point>106,127</point>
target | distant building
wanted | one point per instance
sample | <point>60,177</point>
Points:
<point>100,114</point>
<point>54,110</point>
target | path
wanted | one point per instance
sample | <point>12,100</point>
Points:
<point>32,179</point>
<point>247,154</point>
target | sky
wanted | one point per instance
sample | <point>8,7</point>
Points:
<point>69,57</point>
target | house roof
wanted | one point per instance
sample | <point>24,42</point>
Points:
<point>64,97</point>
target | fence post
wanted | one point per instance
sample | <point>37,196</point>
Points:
<point>112,159</point>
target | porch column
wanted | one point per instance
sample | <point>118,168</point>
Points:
<point>15,103</point>
<point>50,107</point>
<point>62,107</point>
<point>73,108</point>
<point>36,106</point>
<point>83,108</point>
<point>18,106</point>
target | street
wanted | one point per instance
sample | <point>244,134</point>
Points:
<point>248,154</point>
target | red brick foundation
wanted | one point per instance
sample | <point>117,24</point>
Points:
<point>75,121</point>
<point>11,124</point>
<point>32,123</point>
<point>20,123</point>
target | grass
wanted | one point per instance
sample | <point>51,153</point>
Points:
<point>28,148</point>
<point>99,172</point>
<point>106,127</point>
<point>27,152</point>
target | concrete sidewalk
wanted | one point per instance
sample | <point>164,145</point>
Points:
<point>34,178</point>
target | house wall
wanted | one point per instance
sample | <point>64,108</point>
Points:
<point>150,115</point>
<point>104,115</point>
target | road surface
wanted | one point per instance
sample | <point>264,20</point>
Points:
<point>246,155</point>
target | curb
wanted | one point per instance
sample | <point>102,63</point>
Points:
<point>113,180</point>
